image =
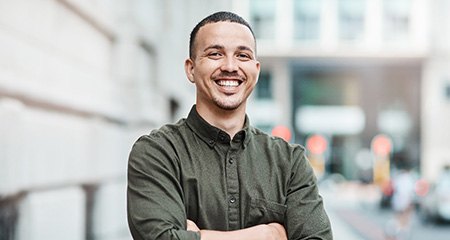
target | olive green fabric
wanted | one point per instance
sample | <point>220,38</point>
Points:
<point>192,170</point>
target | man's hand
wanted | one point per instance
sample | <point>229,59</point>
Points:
<point>191,226</point>
<point>271,231</point>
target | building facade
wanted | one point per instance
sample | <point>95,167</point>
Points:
<point>350,70</point>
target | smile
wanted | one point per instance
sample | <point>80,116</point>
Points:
<point>228,83</point>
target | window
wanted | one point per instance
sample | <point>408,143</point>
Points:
<point>262,15</point>
<point>264,86</point>
<point>396,19</point>
<point>146,66</point>
<point>174,107</point>
<point>9,215</point>
<point>351,19</point>
<point>307,19</point>
<point>146,80</point>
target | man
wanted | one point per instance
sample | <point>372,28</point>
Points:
<point>212,175</point>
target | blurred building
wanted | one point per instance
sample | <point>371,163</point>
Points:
<point>80,80</point>
<point>353,69</point>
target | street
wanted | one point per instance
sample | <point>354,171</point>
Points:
<point>355,215</point>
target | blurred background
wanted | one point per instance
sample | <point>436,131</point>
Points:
<point>363,84</point>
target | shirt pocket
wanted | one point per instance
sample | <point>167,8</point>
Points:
<point>263,211</point>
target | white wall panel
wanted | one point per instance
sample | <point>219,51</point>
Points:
<point>110,219</point>
<point>55,148</point>
<point>52,215</point>
<point>11,175</point>
<point>53,53</point>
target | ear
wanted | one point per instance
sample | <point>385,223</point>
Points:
<point>189,69</point>
<point>258,66</point>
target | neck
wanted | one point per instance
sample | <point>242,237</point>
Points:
<point>230,121</point>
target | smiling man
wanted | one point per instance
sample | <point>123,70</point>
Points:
<point>213,175</point>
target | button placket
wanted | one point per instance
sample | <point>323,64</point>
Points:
<point>232,190</point>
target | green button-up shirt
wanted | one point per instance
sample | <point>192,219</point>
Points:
<point>192,170</point>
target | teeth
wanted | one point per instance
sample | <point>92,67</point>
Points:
<point>228,83</point>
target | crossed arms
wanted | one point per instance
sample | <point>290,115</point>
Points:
<point>271,231</point>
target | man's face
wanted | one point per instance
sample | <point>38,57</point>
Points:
<point>223,68</point>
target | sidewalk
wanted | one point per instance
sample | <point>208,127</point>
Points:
<point>341,201</point>
<point>341,230</point>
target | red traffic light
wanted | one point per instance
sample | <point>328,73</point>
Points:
<point>282,132</point>
<point>316,144</point>
<point>381,145</point>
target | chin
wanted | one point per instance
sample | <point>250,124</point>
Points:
<point>228,107</point>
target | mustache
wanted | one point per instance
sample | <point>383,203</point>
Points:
<point>233,75</point>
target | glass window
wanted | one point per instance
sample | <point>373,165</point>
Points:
<point>307,19</point>
<point>396,19</point>
<point>174,107</point>
<point>146,76</point>
<point>9,214</point>
<point>264,86</point>
<point>351,19</point>
<point>262,17</point>
<point>146,65</point>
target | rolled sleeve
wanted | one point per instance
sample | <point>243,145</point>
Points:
<point>306,217</point>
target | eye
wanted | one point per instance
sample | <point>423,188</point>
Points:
<point>244,56</point>
<point>214,55</point>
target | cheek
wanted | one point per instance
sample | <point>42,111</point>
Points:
<point>206,67</point>
<point>251,66</point>
<point>253,73</point>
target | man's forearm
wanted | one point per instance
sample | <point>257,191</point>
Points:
<point>272,231</point>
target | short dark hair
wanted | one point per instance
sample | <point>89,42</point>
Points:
<point>222,16</point>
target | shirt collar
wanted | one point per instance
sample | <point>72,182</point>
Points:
<point>210,134</point>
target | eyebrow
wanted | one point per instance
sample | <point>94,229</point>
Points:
<point>215,46</point>
<point>221,47</point>
<point>245,48</point>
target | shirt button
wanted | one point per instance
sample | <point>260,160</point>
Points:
<point>231,161</point>
<point>222,138</point>
<point>232,200</point>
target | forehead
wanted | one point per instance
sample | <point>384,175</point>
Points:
<point>227,34</point>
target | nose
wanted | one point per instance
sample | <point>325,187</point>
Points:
<point>230,64</point>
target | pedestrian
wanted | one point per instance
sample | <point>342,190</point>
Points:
<point>212,175</point>
<point>402,204</point>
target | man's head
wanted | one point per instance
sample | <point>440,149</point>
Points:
<point>214,18</point>
<point>223,63</point>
